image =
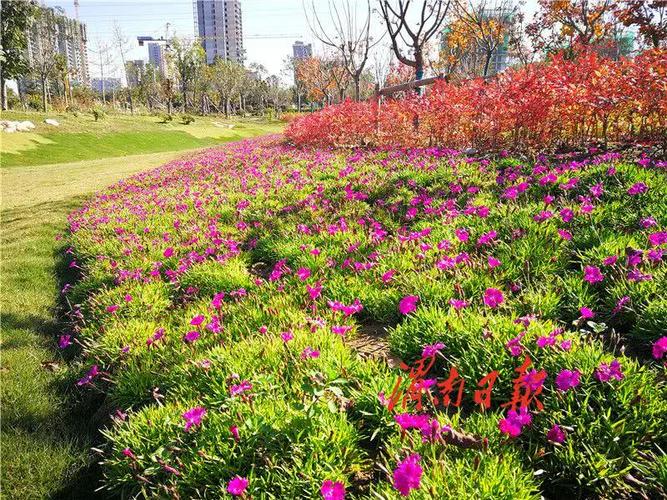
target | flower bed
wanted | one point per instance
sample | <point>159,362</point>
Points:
<point>219,298</point>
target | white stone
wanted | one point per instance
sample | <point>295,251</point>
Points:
<point>51,121</point>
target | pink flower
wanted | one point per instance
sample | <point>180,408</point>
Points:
<point>458,304</point>
<point>197,320</point>
<point>606,372</point>
<point>407,475</point>
<point>332,491</point>
<point>610,261</point>
<point>237,486</point>
<point>309,352</point>
<point>493,262</point>
<point>493,297</point>
<point>659,348</point>
<point>388,276</point>
<point>408,304</point>
<point>586,313</point>
<point>637,188</point>
<point>263,329</point>
<point>556,435</point>
<point>112,308</point>
<point>129,454</point>
<point>191,336</point>
<point>64,341</point>
<point>216,303</point>
<point>314,291</point>
<point>341,329</point>
<point>432,350</point>
<point>286,336</point>
<point>88,378</point>
<point>592,274</point>
<point>303,273</point>
<point>238,389</point>
<point>462,235</point>
<point>567,379</point>
<point>566,235</point>
<point>193,417</point>
<point>234,430</point>
<point>168,252</point>
<point>513,424</point>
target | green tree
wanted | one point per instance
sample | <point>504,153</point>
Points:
<point>187,58</point>
<point>15,18</point>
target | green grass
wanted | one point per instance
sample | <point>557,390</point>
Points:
<point>82,138</point>
<point>47,432</point>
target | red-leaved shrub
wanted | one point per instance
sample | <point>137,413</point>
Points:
<point>556,103</point>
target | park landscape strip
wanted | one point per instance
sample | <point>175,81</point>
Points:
<point>216,296</point>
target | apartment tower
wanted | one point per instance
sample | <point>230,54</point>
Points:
<point>219,26</point>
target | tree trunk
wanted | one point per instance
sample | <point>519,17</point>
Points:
<point>228,104</point>
<point>357,91</point>
<point>487,63</point>
<point>3,91</point>
<point>43,80</point>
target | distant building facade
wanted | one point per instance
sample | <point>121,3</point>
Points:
<point>219,25</point>
<point>54,33</point>
<point>157,56</point>
<point>301,50</point>
<point>105,84</point>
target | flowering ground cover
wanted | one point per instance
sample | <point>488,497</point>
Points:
<point>218,300</point>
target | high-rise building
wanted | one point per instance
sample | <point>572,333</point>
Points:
<point>107,84</point>
<point>219,26</point>
<point>156,56</point>
<point>54,33</point>
<point>301,50</point>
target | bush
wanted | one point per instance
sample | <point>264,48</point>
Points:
<point>187,119</point>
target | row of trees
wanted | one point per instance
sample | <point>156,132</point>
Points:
<point>367,43</point>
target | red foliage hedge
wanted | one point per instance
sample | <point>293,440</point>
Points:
<point>550,104</point>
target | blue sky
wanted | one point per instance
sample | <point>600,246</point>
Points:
<point>270,26</point>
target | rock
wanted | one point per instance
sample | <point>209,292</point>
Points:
<point>51,121</point>
<point>25,126</point>
<point>9,130</point>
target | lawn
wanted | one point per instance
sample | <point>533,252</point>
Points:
<point>82,138</point>
<point>47,428</point>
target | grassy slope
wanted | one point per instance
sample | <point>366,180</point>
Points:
<point>82,138</point>
<point>44,446</point>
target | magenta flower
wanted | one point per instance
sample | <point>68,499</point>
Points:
<point>168,252</point>
<point>88,378</point>
<point>129,453</point>
<point>314,291</point>
<point>462,235</point>
<point>407,475</point>
<point>586,313</point>
<point>458,304</point>
<point>556,434</point>
<point>592,274</point>
<point>566,235</point>
<point>238,389</point>
<point>388,276</point>
<point>216,303</point>
<point>303,273</point>
<point>493,297</point>
<point>610,261</point>
<point>237,486</point>
<point>567,379</point>
<point>432,350</point>
<point>341,329</point>
<point>286,336</point>
<point>64,341</point>
<point>408,304</point>
<point>193,417</point>
<point>493,262</point>
<point>513,424</point>
<point>191,336</point>
<point>197,320</point>
<point>309,352</point>
<point>112,308</point>
<point>659,348</point>
<point>234,430</point>
<point>637,188</point>
<point>606,372</point>
<point>332,491</point>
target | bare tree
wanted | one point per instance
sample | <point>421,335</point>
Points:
<point>431,17</point>
<point>103,60</point>
<point>43,64</point>
<point>352,39</point>
<point>123,45</point>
